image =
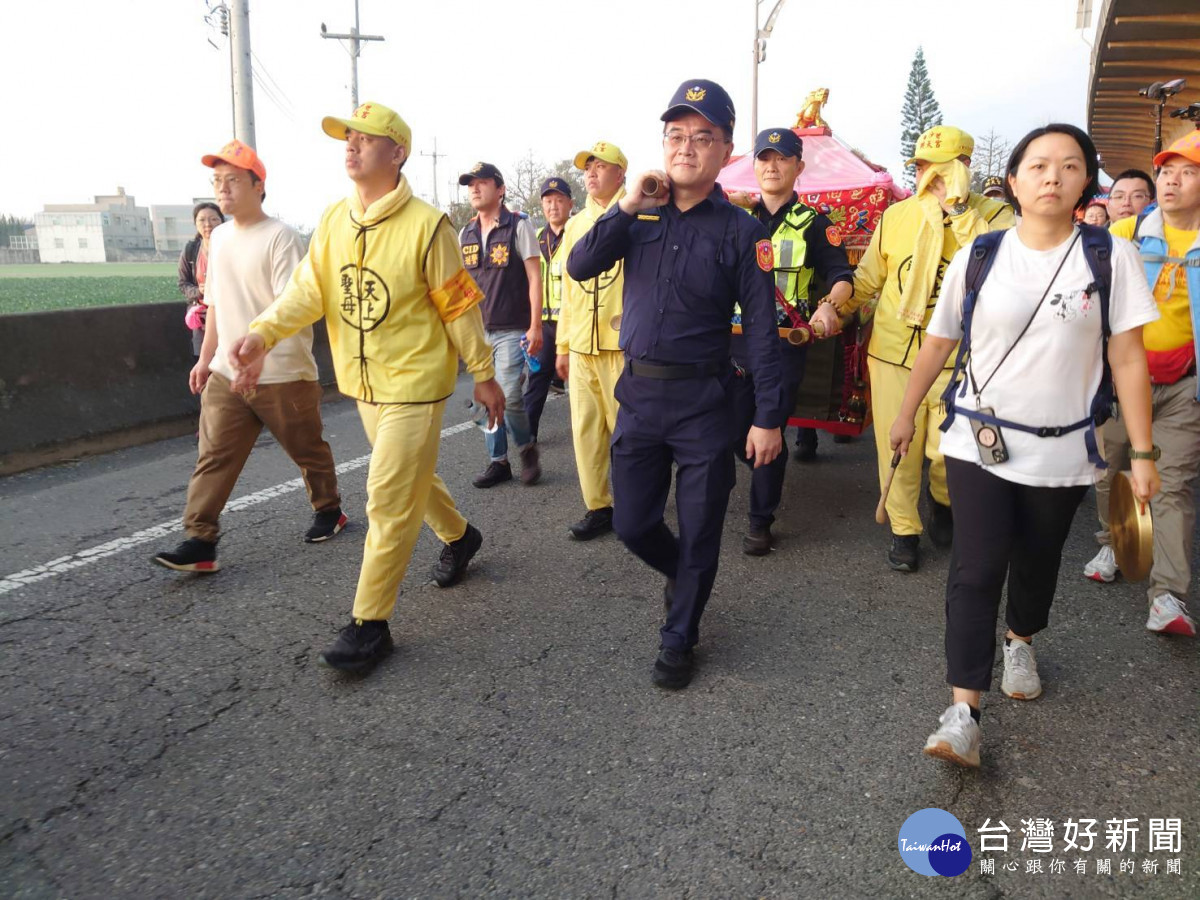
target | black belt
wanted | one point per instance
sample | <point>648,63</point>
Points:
<point>676,373</point>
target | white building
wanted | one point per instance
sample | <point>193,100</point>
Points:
<point>173,228</point>
<point>111,228</point>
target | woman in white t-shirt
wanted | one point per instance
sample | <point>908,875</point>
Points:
<point>1036,360</point>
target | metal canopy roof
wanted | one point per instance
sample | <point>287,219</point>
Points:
<point>1140,42</point>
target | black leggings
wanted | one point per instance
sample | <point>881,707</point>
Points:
<point>1001,529</point>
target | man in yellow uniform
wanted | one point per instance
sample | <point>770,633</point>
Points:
<point>903,266</point>
<point>1169,242</point>
<point>588,349</point>
<point>383,268</point>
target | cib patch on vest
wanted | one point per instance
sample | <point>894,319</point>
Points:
<point>499,254</point>
<point>470,255</point>
<point>765,255</point>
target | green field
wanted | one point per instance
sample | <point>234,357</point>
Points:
<point>35,288</point>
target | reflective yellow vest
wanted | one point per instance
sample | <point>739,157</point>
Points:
<point>792,276</point>
<point>552,276</point>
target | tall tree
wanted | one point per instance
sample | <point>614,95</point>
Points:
<point>990,158</point>
<point>921,111</point>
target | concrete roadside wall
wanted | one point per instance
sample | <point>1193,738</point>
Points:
<point>79,375</point>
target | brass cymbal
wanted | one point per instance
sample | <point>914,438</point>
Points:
<point>1131,528</point>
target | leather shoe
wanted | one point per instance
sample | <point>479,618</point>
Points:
<point>496,472</point>
<point>594,523</point>
<point>531,468</point>
<point>757,541</point>
<point>673,669</point>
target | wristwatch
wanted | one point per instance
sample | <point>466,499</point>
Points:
<point>1154,453</point>
<point>958,209</point>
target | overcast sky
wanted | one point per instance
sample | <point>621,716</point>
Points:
<point>130,92</point>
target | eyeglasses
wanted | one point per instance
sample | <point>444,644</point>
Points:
<point>1135,195</point>
<point>701,140</point>
<point>218,180</point>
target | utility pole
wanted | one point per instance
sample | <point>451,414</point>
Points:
<point>760,54</point>
<point>435,156</point>
<point>355,39</point>
<point>242,74</point>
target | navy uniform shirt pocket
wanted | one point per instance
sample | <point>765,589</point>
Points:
<point>645,246</point>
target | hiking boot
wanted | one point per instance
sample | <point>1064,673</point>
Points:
<point>1168,615</point>
<point>531,469</point>
<point>1020,679</point>
<point>594,523</point>
<point>359,646</point>
<point>498,470</point>
<point>957,740</point>
<point>193,555</point>
<point>325,525</point>
<point>757,541</point>
<point>905,555</point>
<point>452,563</point>
<point>1102,567</point>
<point>673,669</point>
<point>941,524</point>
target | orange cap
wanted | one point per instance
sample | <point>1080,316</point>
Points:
<point>1187,146</point>
<point>237,154</point>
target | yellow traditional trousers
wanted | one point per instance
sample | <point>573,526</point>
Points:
<point>403,489</point>
<point>591,388</point>
<point>888,383</point>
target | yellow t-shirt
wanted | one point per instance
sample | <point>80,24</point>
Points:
<point>1174,326</point>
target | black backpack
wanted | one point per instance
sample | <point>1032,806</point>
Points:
<point>1097,250</point>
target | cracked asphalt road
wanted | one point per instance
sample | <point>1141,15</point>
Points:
<point>172,736</point>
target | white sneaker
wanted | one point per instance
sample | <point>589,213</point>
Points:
<point>1168,615</point>
<point>1020,680</point>
<point>1103,567</point>
<point>957,741</point>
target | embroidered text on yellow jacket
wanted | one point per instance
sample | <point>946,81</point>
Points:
<point>886,264</point>
<point>591,310</point>
<point>399,306</point>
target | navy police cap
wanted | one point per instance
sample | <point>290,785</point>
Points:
<point>705,97</point>
<point>555,183</point>
<point>481,170</point>
<point>783,140</point>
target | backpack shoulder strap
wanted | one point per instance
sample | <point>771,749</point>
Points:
<point>983,254</point>
<point>1137,228</point>
<point>1097,249</point>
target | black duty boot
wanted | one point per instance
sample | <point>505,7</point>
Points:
<point>757,541</point>
<point>673,669</point>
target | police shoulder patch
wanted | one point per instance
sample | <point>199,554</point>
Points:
<point>765,255</point>
<point>833,236</point>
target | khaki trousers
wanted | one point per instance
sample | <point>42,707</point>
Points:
<point>1176,429</point>
<point>403,489</point>
<point>888,383</point>
<point>230,424</point>
<point>591,388</point>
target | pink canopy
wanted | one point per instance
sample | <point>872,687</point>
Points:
<point>852,191</point>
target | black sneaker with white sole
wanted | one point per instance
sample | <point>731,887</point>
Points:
<point>905,553</point>
<point>325,525</point>
<point>359,646</point>
<point>193,555</point>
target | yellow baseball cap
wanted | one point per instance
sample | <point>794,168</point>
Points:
<point>942,143</point>
<point>370,118</point>
<point>610,153</point>
<point>1187,146</point>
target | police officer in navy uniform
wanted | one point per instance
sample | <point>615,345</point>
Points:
<point>690,256</point>
<point>802,246</point>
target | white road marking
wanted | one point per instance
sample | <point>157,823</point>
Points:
<point>111,548</point>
